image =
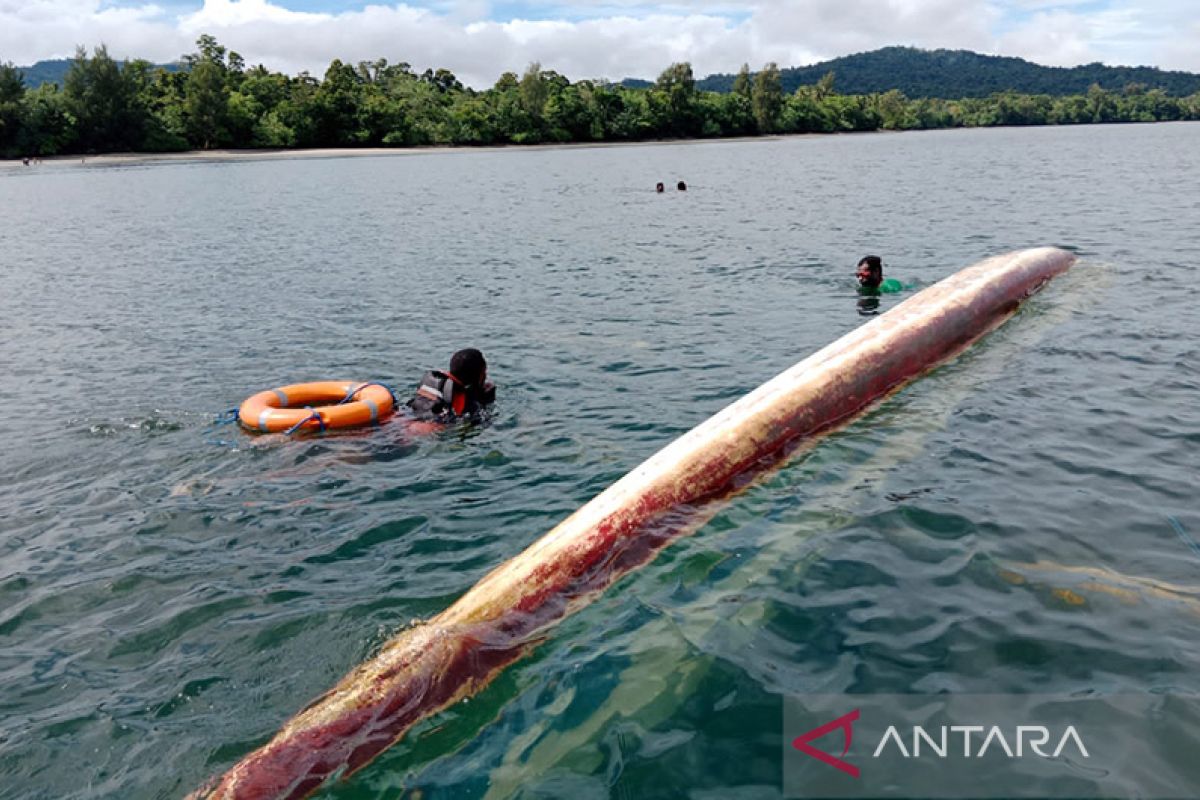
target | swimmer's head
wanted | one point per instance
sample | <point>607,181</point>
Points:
<point>870,271</point>
<point>659,187</point>
<point>469,367</point>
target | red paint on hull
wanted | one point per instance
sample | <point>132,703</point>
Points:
<point>424,669</point>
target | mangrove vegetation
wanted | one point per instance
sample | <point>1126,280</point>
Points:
<point>216,101</point>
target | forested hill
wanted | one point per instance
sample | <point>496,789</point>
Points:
<point>947,74</point>
<point>954,74</point>
<point>55,70</point>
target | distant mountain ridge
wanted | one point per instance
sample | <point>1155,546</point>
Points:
<point>946,74</point>
<point>954,74</point>
<point>55,70</point>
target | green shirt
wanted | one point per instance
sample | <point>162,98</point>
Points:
<point>886,286</point>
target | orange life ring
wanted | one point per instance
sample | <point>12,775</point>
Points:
<point>322,404</point>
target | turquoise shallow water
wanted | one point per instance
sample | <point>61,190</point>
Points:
<point>171,590</point>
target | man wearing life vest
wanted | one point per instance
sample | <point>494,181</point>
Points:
<point>461,392</point>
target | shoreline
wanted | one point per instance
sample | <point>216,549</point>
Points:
<point>233,154</point>
<point>219,155</point>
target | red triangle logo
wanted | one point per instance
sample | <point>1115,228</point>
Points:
<point>846,724</point>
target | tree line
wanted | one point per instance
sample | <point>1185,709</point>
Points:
<point>217,102</point>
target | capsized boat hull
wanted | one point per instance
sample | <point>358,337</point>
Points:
<point>427,667</point>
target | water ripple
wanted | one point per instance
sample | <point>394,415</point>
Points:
<point>172,589</point>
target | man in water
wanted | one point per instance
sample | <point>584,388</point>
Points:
<point>870,277</point>
<point>658,187</point>
<point>462,391</point>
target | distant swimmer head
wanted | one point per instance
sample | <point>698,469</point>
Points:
<point>681,186</point>
<point>870,271</point>
<point>658,187</point>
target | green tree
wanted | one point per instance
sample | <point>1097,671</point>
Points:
<point>157,101</point>
<point>207,49</point>
<point>206,95</point>
<point>272,131</point>
<point>206,105</point>
<point>166,127</point>
<point>743,82</point>
<point>635,118</point>
<point>931,113</point>
<point>1071,110</point>
<point>235,71</point>
<point>534,92</point>
<point>243,112</point>
<point>373,71</point>
<point>824,86</point>
<point>725,114</point>
<point>12,92</point>
<point>804,112</point>
<point>852,112</point>
<point>47,127</point>
<point>103,102</point>
<point>510,117</point>
<point>1101,104</point>
<point>893,110</point>
<point>673,101</point>
<point>767,99</point>
<point>604,107</point>
<point>442,79</point>
<point>568,115</point>
<point>336,107</point>
<point>506,82</point>
<point>473,121</point>
<point>425,112</point>
<point>12,83</point>
<point>267,88</point>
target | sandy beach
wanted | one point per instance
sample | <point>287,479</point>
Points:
<point>132,159</point>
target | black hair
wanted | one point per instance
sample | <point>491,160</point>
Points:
<point>874,262</point>
<point>468,366</point>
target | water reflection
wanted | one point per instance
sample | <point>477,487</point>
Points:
<point>868,302</point>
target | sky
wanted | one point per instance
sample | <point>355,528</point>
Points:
<point>479,40</point>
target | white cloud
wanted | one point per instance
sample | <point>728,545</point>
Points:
<point>609,38</point>
<point>52,28</point>
<point>830,28</point>
<point>1160,33</point>
<point>1054,38</point>
<point>238,13</point>
<point>1183,51</point>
